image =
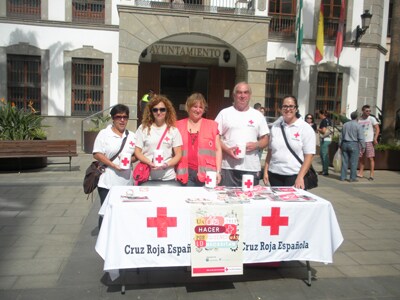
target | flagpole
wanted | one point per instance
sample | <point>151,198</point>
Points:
<point>336,86</point>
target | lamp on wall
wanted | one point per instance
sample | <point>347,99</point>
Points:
<point>365,22</point>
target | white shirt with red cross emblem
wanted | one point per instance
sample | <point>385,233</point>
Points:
<point>301,138</point>
<point>240,127</point>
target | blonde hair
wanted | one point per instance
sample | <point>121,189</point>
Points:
<point>193,99</point>
<point>148,117</point>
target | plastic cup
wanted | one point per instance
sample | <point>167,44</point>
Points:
<point>240,150</point>
<point>247,183</point>
<point>125,160</point>
<point>158,158</point>
<point>211,179</point>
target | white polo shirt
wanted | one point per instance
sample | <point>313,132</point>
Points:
<point>108,143</point>
<point>301,138</point>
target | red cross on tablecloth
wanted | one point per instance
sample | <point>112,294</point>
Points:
<point>162,222</point>
<point>275,220</point>
<point>125,161</point>
<point>248,183</point>
<point>159,158</point>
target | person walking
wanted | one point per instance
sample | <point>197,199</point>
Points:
<point>351,141</point>
<point>371,132</point>
<point>241,125</point>
<point>326,132</point>
<point>201,149</point>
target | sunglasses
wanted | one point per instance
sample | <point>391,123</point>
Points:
<point>120,117</point>
<point>156,110</point>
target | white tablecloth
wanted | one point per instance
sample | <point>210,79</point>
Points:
<point>273,230</point>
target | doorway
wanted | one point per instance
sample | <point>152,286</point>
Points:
<point>178,83</point>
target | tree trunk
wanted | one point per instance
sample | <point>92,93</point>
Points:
<point>391,100</point>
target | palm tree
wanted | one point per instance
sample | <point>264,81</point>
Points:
<point>391,100</point>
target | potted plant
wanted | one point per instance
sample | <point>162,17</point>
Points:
<point>20,124</point>
<point>100,122</point>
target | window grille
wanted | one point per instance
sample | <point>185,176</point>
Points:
<point>279,83</point>
<point>92,11</point>
<point>326,98</point>
<point>24,8</point>
<point>24,81</point>
<point>87,86</point>
<point>331,18</point>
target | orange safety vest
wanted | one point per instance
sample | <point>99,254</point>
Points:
<point>206,152</point>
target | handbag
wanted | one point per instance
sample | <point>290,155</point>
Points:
<point>311,177</point>
<point>141,173</point>
<point>96,168</point>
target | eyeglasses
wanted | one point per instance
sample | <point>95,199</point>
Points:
<point>120,117</point>
<point>156,110</point>
<point>288,107</point>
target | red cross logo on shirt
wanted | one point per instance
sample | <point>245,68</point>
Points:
<point>162,222</point>
<point>251,122</point>
<point>159,159</point>
<point>167,139</point>
<point>275,220</point>
<point>132,143</point>
<point>296,135</point>
<point>248,183</point>
<point>125,161</point>
<point>208,180</point>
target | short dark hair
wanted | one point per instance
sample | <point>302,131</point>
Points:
<point>257,106</point>
<point>365,106</point>
<point>119,108</point>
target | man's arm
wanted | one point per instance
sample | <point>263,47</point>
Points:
<point>376,133</point>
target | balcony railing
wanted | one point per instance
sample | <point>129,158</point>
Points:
<point>245,7</point>
<point>24,8</point>
<point>282,25</point>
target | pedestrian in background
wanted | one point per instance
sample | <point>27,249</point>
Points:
<point>351,141</point>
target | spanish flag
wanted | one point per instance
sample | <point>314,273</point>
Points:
<point>319,49</point>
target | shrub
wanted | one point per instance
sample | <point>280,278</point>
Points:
<point>18,124</point>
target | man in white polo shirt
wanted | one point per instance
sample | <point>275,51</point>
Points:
<point>241,124</point>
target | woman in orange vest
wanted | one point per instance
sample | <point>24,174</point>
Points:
<point>201,149</point>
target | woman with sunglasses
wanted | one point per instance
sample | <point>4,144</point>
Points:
<point>158,128</point>
<point>107,144</point>
<point>281,167</point>
<point>201,146</point>
<point>310,120</point>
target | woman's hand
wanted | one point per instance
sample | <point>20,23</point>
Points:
<point>219,177</point>
<point>299,183</point>
<point>266,178</point>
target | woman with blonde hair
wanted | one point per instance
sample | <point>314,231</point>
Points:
<point>201,150</point>
<point>158,132</point>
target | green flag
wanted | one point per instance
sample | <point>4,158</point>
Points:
<point>299,29</point>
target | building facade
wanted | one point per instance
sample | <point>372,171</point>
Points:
<point>73,58</point>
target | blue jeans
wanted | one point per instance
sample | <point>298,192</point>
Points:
<point>323,153</point>
<point>350,152</point>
